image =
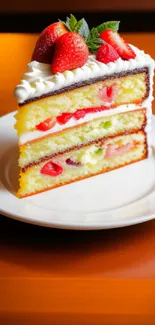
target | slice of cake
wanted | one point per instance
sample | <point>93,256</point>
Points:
<point>84,106</point>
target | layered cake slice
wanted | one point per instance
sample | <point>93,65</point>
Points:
<point>84,105</point>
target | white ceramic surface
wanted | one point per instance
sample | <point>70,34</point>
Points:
<point>119,198</point>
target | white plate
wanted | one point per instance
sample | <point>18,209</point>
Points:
<point>119,198</point>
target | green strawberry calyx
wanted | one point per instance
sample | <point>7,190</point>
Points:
<point>91,37</point>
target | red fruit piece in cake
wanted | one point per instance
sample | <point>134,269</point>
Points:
<point>80,113</point>
<point>43,50</point>
<point>115,151</point>
<point>52,169</point>
<point>106,53</point>
<point>108,94</point>
<point>118,43</point>
<point>46,125</point>
<point>64,118</point>
<point>71,52</point>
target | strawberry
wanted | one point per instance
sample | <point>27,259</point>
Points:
<point>115,151</point>
<point>64,118</point>
<point>118,43</point>
<point>71,52</point>
<point>108,94</point>
<point>95,109</point>
<point>106,53</point>
<point>110,91</point>
<point>43,50</point>
<point>80,114</point>
<point>47,124</point>
<point>52,169</point>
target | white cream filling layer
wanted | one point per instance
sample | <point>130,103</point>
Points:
<point>36,134</point>
<point>39,80</point>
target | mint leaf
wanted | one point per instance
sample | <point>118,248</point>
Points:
<point>67,24</point>
<point>93,33</point>
<point>114,25</point>
<point>94,45</point>
<point>71,23</point>
<point>93,41</point>
<point>92,37</point>
<point>84,30</point>
<point>78,26</point>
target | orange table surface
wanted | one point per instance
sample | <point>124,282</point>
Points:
<point>50,276</point>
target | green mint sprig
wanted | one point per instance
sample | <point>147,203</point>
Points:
<point>94,41</point>
<point>80,26</point>
<point>114,25</point>
<point>91,37</point>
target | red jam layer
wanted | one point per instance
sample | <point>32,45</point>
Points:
<point>65,117</point>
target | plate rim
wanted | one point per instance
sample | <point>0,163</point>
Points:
<point>78,227</point>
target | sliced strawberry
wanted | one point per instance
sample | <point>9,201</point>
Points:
<point>64,118</point>
<point>80,114</point>
<point>109,91</point>
<point>118,43</point>
<point>106,53</point>
<point>115,151</point>
<point>48,124</point>
<point>52,169</point>
<point>108,94</point>
<point>95,109</point>
<point>112,92</point>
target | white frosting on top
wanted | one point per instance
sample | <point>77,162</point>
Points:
<point>39,80</point>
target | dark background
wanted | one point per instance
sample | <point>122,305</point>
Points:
<point>32,16</point>
<point>35,22</point>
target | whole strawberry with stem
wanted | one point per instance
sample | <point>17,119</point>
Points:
<point>71,52</point>
<point>44,48</point>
